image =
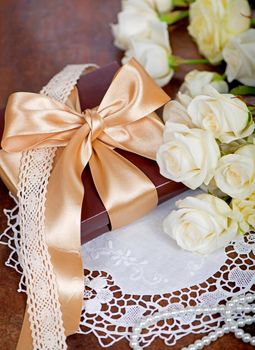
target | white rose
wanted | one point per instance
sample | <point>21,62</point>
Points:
<point>214,22</point>
<point>188,155</point>
<point>196,82</point>
<point>201,224</point>
<point>153,54</point>
<point>246,207</point>
<point>133,22</point>
<point>161,5</point>
<point>239,54</point>
<point>235,174</point>
<point>225,115</point>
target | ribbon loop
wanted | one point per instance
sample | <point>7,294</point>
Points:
<point>94,121</point>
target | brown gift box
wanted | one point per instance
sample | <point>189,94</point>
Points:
<point>94,218</point>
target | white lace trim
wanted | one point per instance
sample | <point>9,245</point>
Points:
<point>42,295</point>
<point>110,313</point>
<point>37,271</point>
<point>60,86</point>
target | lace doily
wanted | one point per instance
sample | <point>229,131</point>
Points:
<point>111,309</point>
<point>134,271</point>
<point>123,283</point>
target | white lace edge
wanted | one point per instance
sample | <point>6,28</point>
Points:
<point>109,313</point>
<point>38,275</point>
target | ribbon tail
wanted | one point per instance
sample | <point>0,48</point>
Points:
<point>127,193</point>
<point>62,226</point>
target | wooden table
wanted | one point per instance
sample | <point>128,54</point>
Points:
<point>37,39</point>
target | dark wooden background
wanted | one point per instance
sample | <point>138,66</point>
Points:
<point>37,39</point>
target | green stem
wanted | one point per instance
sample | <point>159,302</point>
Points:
<point>253,22</point>
<point>195,61</point>
<point>173,17</point>
<point>175,61</point>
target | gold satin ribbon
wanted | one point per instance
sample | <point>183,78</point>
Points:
<point>125,120</point>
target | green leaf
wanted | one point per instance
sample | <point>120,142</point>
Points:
<point>173,17</point>
<point>243,90</point>
<point>218,77</point>
<point>249,117</point>
<point>180,3</point>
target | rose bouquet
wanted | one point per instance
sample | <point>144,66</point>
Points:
<point>221,30</point>
<point>209,140</point>
<point>209,143</point>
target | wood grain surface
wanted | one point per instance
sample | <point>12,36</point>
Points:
<point>37,39</point>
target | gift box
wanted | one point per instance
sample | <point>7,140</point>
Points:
<point>94,217</point>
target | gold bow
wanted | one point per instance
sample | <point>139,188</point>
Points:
<point>124,120</point>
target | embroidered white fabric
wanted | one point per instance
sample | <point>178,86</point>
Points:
<point>137,270</point>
